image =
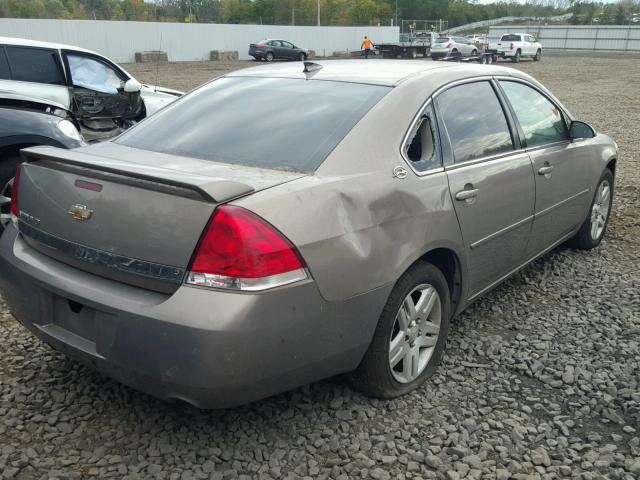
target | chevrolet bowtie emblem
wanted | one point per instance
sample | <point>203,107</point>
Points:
<point>80,212</point>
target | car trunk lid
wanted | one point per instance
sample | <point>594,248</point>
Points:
<point>126,214</point>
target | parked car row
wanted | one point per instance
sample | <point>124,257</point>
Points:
<point>284,224</point>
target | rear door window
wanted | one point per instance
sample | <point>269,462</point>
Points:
<point>474,121</point>
<point>278,123</point>
<point>541,120</point>
<point>39,65</point>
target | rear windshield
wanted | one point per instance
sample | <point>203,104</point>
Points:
<point>510,38</point>
<point>276,123</point>
<point>442,40</point>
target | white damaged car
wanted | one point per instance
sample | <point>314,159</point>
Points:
<point>102,96</point>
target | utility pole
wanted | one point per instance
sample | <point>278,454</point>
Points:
<point>318,12</point>
<point>396,13</point>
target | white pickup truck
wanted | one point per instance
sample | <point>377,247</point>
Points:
<point>515,46</point>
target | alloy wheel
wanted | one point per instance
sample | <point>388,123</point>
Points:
<point>600,209</point>
<point>415,333</point>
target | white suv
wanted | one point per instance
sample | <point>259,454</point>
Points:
<point>518,45</point>
<point>103,98</point>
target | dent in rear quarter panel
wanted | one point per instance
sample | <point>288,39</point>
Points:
<point>361,232</point>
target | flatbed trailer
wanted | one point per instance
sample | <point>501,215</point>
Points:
<point>410,45</point>
<point>405,49</point>
<point>483,57</point>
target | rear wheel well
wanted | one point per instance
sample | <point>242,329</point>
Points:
<point>448,263</point>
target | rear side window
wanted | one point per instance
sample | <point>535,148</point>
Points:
<point>423,148</point>
<point>34,65</point>
<point>5,73</point>
<point>278,123</point>
<point>541,121</point>
<point>510,38</point>
<point>474,121</point>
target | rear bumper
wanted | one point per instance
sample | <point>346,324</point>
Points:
<point>506,53</point>
<point>210,348</point>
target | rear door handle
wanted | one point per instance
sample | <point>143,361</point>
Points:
<point>545,170</point>
<point>467,194</point>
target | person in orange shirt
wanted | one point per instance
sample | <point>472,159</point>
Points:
<point>366,44</point>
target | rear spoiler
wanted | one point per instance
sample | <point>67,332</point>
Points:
<point>215,190</point>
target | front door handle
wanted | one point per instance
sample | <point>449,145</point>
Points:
<point>546,170</point>
<point>467,194</point>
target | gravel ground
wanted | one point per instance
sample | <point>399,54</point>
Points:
<point>541,377</point>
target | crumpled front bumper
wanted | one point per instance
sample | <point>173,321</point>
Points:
<point>211,348</point>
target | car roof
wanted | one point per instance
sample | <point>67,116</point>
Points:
<point>24,42</point>
<point>374,72</point>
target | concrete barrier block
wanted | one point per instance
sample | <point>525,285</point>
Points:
<point>342,54</point>
<point>153,56</point>
<point>223,55</point>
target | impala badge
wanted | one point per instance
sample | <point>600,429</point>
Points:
<point>80,212</point>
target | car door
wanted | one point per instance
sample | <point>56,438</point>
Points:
<point>276,47</point>
<point>35,72</point>
<point>562,185</point>
<point>529,46</point>
<point>490,181</point>
<point>288,51</point>
<point>98,89</point>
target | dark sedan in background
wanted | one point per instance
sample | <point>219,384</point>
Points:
<point>271,50</point>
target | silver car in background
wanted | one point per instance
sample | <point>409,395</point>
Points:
<point>297,224</point>
<point>447,46</point>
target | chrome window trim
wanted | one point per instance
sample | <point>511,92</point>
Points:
<point>405,142</point>
<point>558,143</point>
<point>486,159</point>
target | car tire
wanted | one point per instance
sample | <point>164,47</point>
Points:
<point>474,52</point>
<point>516,57</point>
<point>269,57</point>
<point>302,57</point>
<point>378,375</point>
<point>537,56</point>
<point>595,225</point>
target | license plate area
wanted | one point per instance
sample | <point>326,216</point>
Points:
<point>74,317</point>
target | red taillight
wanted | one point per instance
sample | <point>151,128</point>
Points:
<point>242,251</point>
<point>449,45</point>
<point>260,46</point>
<point>14,192</point>
<point>511,46</point>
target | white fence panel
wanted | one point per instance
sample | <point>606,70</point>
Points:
<point>617,38</point>
<point>186,42</point>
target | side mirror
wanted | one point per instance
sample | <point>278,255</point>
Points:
<point>132,86</point>
<point>580,130</point>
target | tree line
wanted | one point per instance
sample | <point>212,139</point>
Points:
<point>304,12</point>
